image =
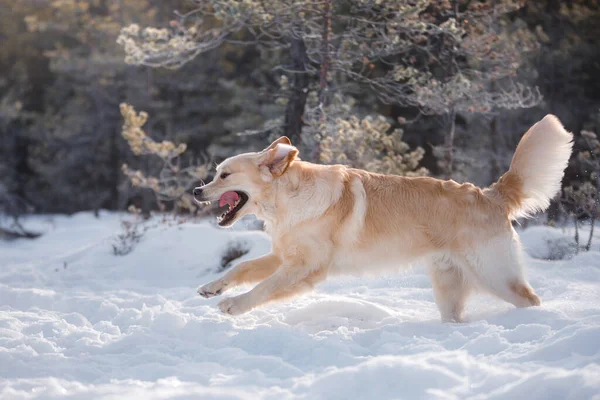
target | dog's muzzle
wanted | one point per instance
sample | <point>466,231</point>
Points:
<point>198,196</point>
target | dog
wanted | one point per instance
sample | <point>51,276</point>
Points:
<point>327,220</point>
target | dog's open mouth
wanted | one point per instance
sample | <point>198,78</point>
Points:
<point>234,201</point>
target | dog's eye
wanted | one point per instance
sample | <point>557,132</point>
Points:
<point>224,175</point>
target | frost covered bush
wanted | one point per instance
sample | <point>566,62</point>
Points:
<point>233,251</point>
<point>545,243</point>
<point>371,144</point>
<point>173,183</point>
<point>124,242</point>
<point>155,46</point>
<point>582,197</point>
<point>11,207</point>
<point>134,229</point>
<point>335,135</point>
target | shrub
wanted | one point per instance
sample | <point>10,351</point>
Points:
<point>173,183</point>
<point>582,197</point>
<point>371,144</point>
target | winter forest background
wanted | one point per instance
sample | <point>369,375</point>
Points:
<point>111,111</point>
<point>114,104</point>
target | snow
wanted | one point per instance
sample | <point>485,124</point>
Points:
<point>77,321</point>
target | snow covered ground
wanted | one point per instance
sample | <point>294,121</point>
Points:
<point>77,321</point>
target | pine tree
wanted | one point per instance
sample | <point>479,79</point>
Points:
<point>441,57</point>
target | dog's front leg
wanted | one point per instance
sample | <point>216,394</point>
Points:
<point>288,281</point>
<point>245,272</point>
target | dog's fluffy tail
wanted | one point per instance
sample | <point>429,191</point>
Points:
<point>536,169</point>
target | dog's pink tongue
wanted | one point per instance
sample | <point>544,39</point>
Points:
<point>228,198</point>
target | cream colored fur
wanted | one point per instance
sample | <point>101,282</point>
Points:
<point>330,220</point>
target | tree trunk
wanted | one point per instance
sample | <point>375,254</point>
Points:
<point>294,111</point>
<point>324,54</point>
<point>115,169</point>
<point>495,149</point>
<point>324,71</point>
<point>23,171</point>
<point>588,246</point>
<point>594,213</point>
<point>495,138</point>
<point>576,221</point>
<point>449,144</point>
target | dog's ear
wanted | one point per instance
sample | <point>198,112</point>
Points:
<point>282,140</point>
<point>278,158</point>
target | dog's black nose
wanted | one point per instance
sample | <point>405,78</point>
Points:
<point>198,192</point>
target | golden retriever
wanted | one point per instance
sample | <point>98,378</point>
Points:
<point>331,219</point>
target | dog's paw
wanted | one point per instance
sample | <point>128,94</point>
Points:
<point>212,289</point>
<point>234,305</point>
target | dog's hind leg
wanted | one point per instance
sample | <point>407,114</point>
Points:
<point>498,269</point>
<point>284,283</point>
<point>450,289</point>
<point>250,271</point>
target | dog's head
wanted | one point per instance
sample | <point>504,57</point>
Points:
<point>244,183</point>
